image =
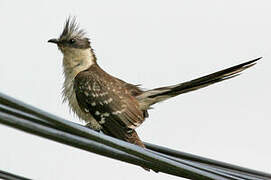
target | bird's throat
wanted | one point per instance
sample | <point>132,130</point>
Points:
<point>77,60</point>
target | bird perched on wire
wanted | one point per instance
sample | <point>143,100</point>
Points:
<point>107,103</point>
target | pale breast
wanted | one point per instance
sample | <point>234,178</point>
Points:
<point>70,96</point>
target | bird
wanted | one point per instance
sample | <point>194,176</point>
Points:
<point>108,104</point>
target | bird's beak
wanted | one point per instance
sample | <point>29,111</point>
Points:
<point>56,41</point>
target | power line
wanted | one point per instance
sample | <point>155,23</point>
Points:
<point>9,176</point>
<point>22,116</point>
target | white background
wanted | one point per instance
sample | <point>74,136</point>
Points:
<point>154,43</point>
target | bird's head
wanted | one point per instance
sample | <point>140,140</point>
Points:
<point>75,47</point>
<point>72,37</point>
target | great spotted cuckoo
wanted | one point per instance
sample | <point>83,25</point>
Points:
<point>107,103</point>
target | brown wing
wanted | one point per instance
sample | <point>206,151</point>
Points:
<point>134,91</point>
<point>109,102</point>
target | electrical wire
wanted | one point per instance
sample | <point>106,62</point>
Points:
<point>22,116</point>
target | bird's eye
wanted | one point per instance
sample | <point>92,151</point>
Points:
<point>71,41</point>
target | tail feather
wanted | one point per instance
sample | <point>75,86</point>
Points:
<point>153,96</point>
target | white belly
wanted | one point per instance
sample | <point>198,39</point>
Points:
<point>70,96</point>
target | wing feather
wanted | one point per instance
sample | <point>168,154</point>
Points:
<point>109,101</point>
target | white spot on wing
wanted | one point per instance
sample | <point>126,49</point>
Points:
<point>102,121</point>
<point>89,87</point>
<point>103,94</point>
<point>86,93</point>
<point>105,114</point>
<point>94,95</point>
<point>108,101</point>
<point>97,113</point>
<point>93,104</point>
<point>118,112</point>
<point>86,110</point>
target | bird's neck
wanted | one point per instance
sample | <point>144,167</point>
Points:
<point>77,60</point>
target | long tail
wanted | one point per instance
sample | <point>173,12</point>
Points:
<point>153,96</point>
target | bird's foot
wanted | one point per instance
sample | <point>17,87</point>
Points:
<point>93,127</point>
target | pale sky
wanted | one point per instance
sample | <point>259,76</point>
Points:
<point>153,43</point>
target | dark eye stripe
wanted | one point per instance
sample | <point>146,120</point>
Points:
<point>76,42</point>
